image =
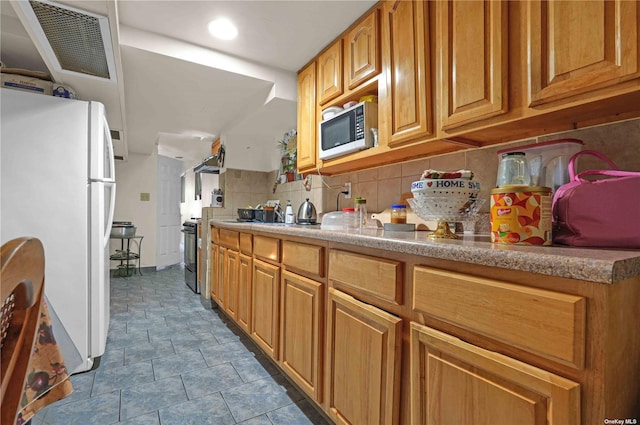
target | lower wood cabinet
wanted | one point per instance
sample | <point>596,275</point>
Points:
<point>363,362</point>
<point>547,323</point>
<point>214,273</point>
<point>264,306</point>
<point>463,345</point>
<point>221,294</point>
<point>302,331</point>
<point>230,281</point>
<point>453,382</point>
<point>245,271</point>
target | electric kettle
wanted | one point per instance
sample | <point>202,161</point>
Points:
<point>307,213</point>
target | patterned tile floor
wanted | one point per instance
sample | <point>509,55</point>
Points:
<point>169,361</point>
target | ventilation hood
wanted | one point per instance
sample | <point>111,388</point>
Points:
<point>211,164</point>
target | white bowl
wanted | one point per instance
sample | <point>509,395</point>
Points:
<point>330,112</point>
<point>444,188</point>
<point>453,207</point>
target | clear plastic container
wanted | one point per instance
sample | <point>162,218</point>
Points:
<point>398,214</point>
<point>548,161</point>
<point>349,218</point>
<point>333,221</point>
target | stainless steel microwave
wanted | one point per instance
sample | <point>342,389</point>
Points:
<point>348,131</point>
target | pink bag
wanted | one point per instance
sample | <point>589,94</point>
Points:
<point>599,213</point>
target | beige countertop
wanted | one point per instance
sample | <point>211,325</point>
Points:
<point>595,264</point>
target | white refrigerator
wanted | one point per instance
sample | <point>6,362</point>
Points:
<point>58,185</point>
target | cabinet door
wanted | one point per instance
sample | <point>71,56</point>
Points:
<point>453,382</point>
<point>222,293</point>
<point>473,59</point>
<point>330,73</point>
<point>214,273</point>
<point>231,265</point>
<point>307,128</point>
<point>244,293</point>
<point>407,101</point>
<point>199,268</point>
<point>264,306</point>
<point>301,319</point>
<point>362,51</point>
<point>363,362</point>
<point>578,47</point>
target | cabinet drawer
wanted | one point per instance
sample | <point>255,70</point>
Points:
<point>547,323</point>
<point>266,247</point>
<point>307,258</point>
<point>229,239</point>
<point>379,277</point>
<point>246,243</point>
<point>215,235</point>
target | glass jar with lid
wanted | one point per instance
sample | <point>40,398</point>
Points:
<point>398,213</point>
<point>513,170</point>
<point>361,212</point>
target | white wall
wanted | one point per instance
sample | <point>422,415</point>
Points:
<point>135,176</point>
<point>192,207</point>
<point>243,153</point>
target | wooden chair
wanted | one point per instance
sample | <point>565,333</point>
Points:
<point>22,277</point>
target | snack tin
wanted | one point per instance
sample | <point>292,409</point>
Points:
<point>521,215</point>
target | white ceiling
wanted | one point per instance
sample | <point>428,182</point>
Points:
<point>180,88</point>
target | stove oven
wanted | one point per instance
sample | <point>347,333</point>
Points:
<point>190,232</point>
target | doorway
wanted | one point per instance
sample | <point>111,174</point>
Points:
<point>168,213</point>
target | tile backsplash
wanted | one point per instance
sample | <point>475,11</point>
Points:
<point>383,186</point>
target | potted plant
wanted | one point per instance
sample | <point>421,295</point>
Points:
<point>289,150</point>
<point>288,170</point>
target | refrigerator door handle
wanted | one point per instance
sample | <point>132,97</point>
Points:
<point>112,207</point>
<point>109,142</point>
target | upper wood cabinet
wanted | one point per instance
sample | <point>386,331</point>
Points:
<point>578,47</point>
<point>330,73</point>
<point>406,102</point>
<point>362,51</point>
<point>473,59</point>
<point>307,125</point>
<point>459,74</point>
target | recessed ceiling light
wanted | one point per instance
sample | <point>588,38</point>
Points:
<point>223,29</point>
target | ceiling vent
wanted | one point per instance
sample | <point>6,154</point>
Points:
<point>73,40</point>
